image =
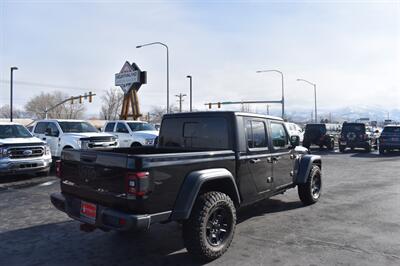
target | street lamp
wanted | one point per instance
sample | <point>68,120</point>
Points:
<point>11,92</point>
<point>315,97</point>
<point>283,89</point>
<point>191,97</point>
<point>163,44</point>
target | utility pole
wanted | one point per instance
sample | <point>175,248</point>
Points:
<point>180,96</point>
<point>11,93</point>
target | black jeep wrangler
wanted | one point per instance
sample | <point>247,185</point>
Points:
<point>205,166</point>
<point>317,134</point>
<point>355,135</point>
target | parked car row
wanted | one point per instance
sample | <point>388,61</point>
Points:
<point>24,151</point>
<point>347,135</point>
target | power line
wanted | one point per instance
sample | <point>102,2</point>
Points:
<point>43,85</point>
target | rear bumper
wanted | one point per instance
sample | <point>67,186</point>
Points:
<point>355,144</point>
<point>24,166</point>
<point>107,218</point>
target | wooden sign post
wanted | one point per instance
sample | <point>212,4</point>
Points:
<point>130,78</point>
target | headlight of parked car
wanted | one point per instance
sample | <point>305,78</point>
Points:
<point>47,150</point>
<point>3,153</point>
<point>149,141</point>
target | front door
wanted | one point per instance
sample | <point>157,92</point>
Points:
<point>123,135</point>
<point>258,154</point>
<point>283,155</point>
<point>52,138</point>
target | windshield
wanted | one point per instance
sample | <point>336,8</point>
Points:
<point>141,126</point>
<point>315,128</point>
<point>14,131</point>
<point>77,127</point>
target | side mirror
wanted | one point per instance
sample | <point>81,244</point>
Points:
<point>295,141</point>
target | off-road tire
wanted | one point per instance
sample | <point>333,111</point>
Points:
<point>368,148</point>
<point>331,145</point>
<point>306,145</point>
<point>305,191</point>
<point>195,228</point>
<point>342,148</point>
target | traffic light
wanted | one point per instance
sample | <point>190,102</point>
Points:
<point>72,100</point>
<point>209,106</point>
<point>219,105</point>
<point>80,99</point>
<point>90,96</point>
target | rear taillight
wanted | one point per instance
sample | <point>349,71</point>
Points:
<point>58,168</point>
<point>137,183</point>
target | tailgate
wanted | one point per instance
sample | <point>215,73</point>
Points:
<point>96,170</point>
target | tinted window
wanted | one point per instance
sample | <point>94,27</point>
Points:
<point>256,134</point>
<point>353,127</point>
<point>41,127</point>
<point>121,128</point>
<point>279,136</point>
<point>141,126</point>
<point>77,127</point>
<point>195,133</point>
<point>109,127</point>
<point>394,130</point>
<point>14,131</point>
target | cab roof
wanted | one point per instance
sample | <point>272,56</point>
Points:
<point>235,113</point>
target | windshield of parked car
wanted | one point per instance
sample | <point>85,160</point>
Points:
<point>141,126</point>
<point>14,131</point>
<point>77,127</point>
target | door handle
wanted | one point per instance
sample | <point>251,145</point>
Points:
<point>255,160</point>
<point>43,138</point>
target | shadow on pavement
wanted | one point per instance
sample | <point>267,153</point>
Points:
<point>64,244</point>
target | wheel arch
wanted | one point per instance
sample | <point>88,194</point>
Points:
<point>197,182</point>
<point>304,167</point>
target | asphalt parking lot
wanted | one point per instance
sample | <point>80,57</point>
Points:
<point>356,222</point>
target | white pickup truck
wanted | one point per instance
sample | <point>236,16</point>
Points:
<point>132,133</point>
<point>21,153</point>
<point>72,134</point>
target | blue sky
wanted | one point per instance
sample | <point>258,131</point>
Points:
<point>351,50</point>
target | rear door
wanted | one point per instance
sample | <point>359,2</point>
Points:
<point>282,155</point>
<point>258,154</point>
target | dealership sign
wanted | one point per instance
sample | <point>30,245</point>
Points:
<point>130,77</point>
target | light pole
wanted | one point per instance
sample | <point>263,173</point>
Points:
<point>283,88</point>
<point>191,97</point>
<point>11,92</point>
<point>166,46</point>
<point>315,98</point>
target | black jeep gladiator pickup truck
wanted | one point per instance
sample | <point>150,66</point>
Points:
<point>204,167</point>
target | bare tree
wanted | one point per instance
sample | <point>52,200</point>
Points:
<point>156,113</point>
<point>37,106</point>
<point>112,104</point>
<point>5,112</point>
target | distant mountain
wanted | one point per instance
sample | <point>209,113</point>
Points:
<point>374,113</point>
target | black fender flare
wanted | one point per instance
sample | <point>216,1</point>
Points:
<point>304,167</point>
<point>191,187</point>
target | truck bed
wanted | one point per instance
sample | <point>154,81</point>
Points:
<point>99,175</point>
